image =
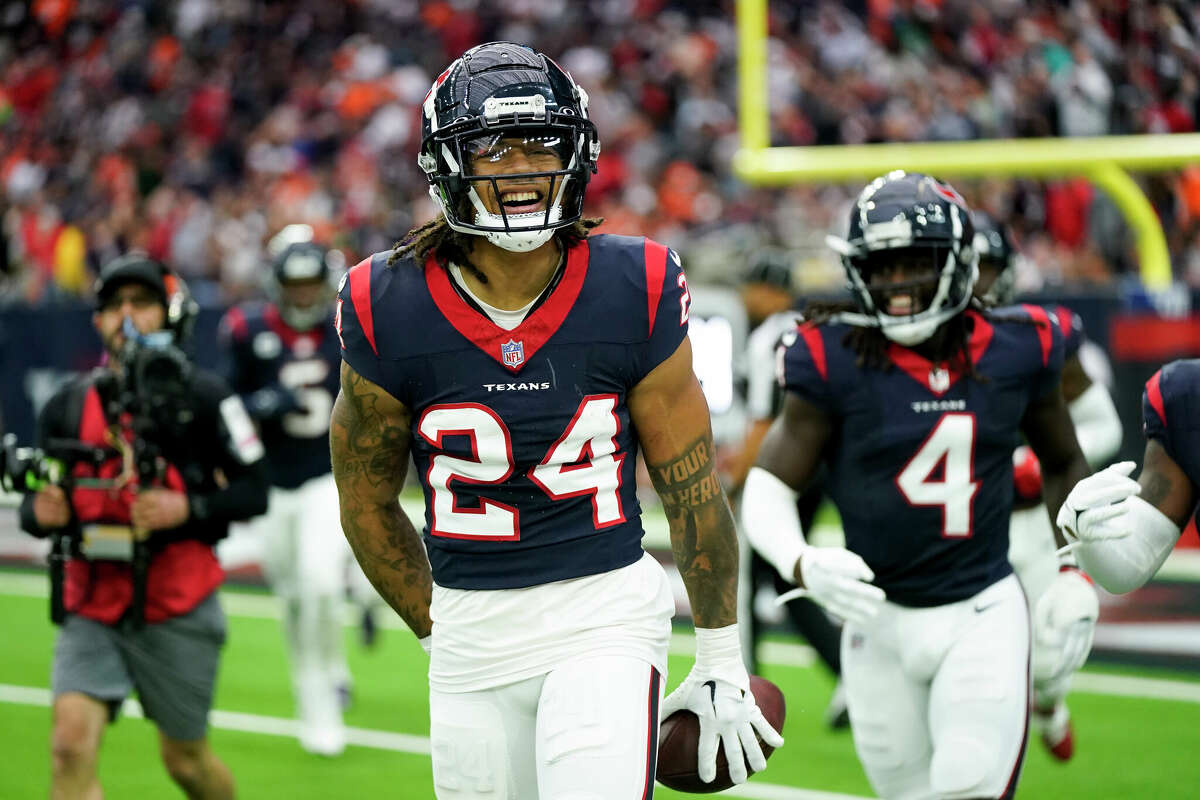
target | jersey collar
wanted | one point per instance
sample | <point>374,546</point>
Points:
<point>511,349</point>
<point>938,380</point>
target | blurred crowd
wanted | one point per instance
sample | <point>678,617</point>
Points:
<point>195,130</point>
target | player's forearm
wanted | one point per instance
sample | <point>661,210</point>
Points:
<point>392,556</point>
<point>1057,483</point>
<point>703,537</point>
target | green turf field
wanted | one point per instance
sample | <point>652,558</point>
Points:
<point>1127,746</point>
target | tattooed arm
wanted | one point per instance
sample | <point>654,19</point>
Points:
<point>1165,486</point>
<point>670,414</point>
<point>369,441</point>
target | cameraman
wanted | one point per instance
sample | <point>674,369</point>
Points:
<point>208,463</point>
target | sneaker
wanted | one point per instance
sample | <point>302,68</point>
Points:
<point>1058,734</point>
<point>325,741</point>
<point>837,714</point>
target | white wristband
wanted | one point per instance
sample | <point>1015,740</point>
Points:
<point>719,655</point>
<point>426,643</point>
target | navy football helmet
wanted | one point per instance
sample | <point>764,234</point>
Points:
<point>495,98</point>
<point>913,217</point>
<point>303,282</point>
<point>998,257</point>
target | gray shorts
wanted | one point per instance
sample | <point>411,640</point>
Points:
<point>172,664</point>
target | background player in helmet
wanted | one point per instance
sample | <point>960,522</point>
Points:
<point>1031,541</point>
<point>523,364</point>
<point>1122,529</point>
<point>283,359</point>
<point>914,399</point>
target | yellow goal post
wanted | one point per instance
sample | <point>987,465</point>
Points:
<point>1103,160</point>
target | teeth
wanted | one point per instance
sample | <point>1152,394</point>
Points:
<point>518,197</point>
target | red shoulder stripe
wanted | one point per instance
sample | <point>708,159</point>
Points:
<point>235,323</point>
<point>1045,335</point>
<point>656,273</point>
<point>1154,393</point>
<point>360,296</point>
<point>1066,320</point>
<point>816,347</point>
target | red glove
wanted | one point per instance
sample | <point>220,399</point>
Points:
<point>1027,475</point>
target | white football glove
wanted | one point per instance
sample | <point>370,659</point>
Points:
<point>1064,622</point>
<point>839,580</point>
<point>717,690</point>
<point>1095,507</point>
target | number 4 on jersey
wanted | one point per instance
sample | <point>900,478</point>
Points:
<point>583,461</point>
<point>951,446</point>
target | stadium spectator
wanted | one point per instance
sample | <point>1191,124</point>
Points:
<point>145,619</point>
<point>306,111</point>
<point>913,397</point>
<point>522,364</point>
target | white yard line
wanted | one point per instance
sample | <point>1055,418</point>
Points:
<point>384,740</point>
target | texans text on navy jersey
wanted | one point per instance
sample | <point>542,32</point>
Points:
<point>921,464</point>
<point>521,438</point>
<point>264,352</point>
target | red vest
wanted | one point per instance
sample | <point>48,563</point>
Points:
<point>181,573</point>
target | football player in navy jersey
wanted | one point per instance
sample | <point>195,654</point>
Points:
<point>523,364</point>
<point>283,360</point>
<point>1123,529</point>
<point>915,398</point>
<point>1031,542</point>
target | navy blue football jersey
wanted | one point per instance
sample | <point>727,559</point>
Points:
<point>1171,414</point>
<point>521,438</point>
<point>920,464</point>
<point>263,352</point>
<point>1071,325</point>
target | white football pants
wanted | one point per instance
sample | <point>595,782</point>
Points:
<point>939,697</point>
<point>1031,551</point>
<point>307,562</point>
<point>586,730</point>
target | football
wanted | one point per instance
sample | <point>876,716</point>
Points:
<point>679,740</point>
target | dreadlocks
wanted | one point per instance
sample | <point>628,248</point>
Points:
<point>448,246</point>
<point>871,346</point>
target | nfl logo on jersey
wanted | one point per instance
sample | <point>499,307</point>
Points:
<point>513,353</point>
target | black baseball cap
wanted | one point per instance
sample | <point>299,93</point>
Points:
<point>131,268</point>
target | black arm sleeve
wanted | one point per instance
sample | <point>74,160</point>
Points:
<point>244,494</point>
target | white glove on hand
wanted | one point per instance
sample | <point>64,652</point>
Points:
<point>840,581</point>
<point>1064,622</point>
<point>1094,508</point>
<point>717,690</point>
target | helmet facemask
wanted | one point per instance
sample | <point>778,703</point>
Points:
<point>504,120</point>
<point>917,224</point>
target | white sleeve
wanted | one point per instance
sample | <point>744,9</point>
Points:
<point>1122,565</point>
<point>1097,425</point>
<point>772,522</point>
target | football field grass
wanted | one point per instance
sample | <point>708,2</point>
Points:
<point>1138,730</point>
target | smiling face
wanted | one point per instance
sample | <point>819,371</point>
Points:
<point>903,282</point>
<point>522,156</point>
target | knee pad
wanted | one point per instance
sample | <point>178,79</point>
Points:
<point>960,764</point>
